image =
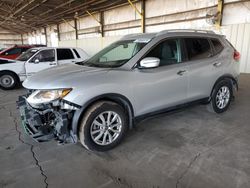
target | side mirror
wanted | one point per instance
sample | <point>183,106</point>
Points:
<point>149,62</point>
<point>36,61</point>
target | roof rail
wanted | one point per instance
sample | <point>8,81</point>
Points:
<point>186,30</point>
<point>131,35</point>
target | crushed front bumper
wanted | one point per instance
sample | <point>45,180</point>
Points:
<point>45,123</point>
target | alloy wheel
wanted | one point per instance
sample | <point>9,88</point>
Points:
<point>222,97</point>
<point>106,128</point>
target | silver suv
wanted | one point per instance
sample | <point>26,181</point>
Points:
<point>98,100</point>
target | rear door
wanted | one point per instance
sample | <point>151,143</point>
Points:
<point>44,59</point>
<point>205,67</point>
<point>166,85</point>
<point>65,55</point>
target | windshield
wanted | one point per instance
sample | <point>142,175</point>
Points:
<point>117,53</point>
<point>27,55</point>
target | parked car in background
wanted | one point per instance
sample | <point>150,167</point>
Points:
<point>97,101</point>
<point>12,72</point>
<point>2,49</point>
<point>15,51</point>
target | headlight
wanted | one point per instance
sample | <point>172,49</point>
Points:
<point>46,96</point>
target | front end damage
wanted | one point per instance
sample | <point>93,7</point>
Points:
<point>48,121</point>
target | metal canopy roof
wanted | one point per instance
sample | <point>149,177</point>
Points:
<point>23,16</point>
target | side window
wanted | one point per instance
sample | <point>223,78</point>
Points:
<point>168,52</point>
<point>198,48</point>
<point>13,51</point>
<point>218,47</point>
<point>64,54</point>
<point>24,49</point>
<point>77,54</point>
<point>45,56</point>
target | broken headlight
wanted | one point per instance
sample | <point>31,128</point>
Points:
<point>47,96</point>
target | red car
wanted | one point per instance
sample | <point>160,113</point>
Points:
<point>15,51</point>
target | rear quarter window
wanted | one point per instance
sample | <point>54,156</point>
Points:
<point>77,54</point>
<point>218,47</point>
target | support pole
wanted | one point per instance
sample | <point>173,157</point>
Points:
<point>46,37</point>
<point>22,38</point>
<point>141,14</point>
<point>220,13</point>
<point>58,32</point>
<point>102,23</point>
<point>76,28</point>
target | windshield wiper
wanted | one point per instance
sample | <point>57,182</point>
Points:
<point>90,64</point>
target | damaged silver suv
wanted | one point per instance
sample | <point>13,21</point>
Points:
<point>98,100</point>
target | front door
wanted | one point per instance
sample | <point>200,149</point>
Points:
<point>164,86</point>
<point>42,60</point>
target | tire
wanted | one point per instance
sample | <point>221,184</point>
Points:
<point>93,129</point>
<point>222,96</point>
<point>8,80</point>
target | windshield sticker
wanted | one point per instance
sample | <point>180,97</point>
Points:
<point>142,40</point>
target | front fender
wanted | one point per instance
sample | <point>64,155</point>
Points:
<point>122,100</point>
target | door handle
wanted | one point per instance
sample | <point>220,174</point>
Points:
<point>181,72</point>
<point>52,63</point>
<point>217,64</point>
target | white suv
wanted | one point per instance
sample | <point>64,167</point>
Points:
<point>12,72</point>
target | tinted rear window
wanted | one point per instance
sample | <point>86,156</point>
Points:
<point>77,54</point>
<point>198,48</point>
<point>63,54</point>
<point>218,47</point>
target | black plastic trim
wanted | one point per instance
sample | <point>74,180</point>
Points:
<point>139,118</point>
<point>71,104</point>
<point>226,76</point>
<point>120,99</point>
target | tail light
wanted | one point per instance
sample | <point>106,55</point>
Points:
<point>236,55</point>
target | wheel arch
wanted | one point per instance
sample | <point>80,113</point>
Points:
<point>232,79</point>
<point>9,71</point>
<point>12,72</point>
<point>114,97</point>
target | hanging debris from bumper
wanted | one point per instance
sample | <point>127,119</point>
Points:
<point>46,123</point>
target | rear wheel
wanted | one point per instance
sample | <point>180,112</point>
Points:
<point>8,80</point>
<point>221,96</point>
<point>103,126</point>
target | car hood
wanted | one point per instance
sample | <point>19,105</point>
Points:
<point>64,76</point>
<point>5,60</point>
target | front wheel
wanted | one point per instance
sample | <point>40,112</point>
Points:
<point>8,80</point>
<point>103,126</point>
<point>221,96</point>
